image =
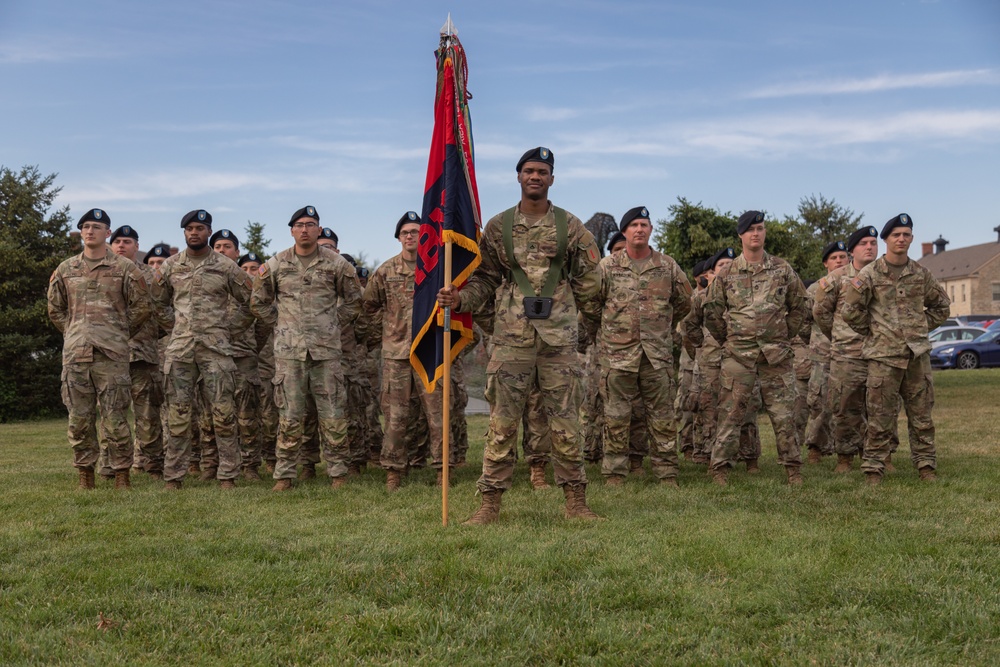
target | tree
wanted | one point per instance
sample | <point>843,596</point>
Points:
<point>255,241</point>
<point>32,244</point>
<point>603,227</point>
<point>801,240</point>
<point>694,232</point>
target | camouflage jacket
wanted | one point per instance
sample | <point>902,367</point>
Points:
<point>535,246</point>
<point>828,314</point>
<point>640,303</point>
<point>98,308</point>
<point>755,309</point>
<point>199,294</point>
<point>894,315</point>
<point>708,352</point>
<point>388,303</point>
<point>819,342</point>
<point>307,306</point>
<point>144,344</point>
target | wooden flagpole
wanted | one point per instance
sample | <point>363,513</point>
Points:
<point>446,395</point>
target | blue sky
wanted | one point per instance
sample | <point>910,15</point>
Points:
<point>254,109</point>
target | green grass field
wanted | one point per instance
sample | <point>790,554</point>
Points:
<point>831,573</point>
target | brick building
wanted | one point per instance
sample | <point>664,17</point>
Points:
<point>970,276</point>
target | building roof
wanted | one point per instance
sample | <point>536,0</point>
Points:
<point>960,262</point>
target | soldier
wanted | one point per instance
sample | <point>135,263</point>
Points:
<point>199,285</point>
<point>388,303</point>
<point>247,395</point>
<point>538,267</point>
<point>893,302</point>
<point>685,400</point>
<point>848,368</point>
<point>642,291</point>
<point>354,382</point>
<point>98,301</point>
<point>818,440</point>
<point>154,259</point>
<point>147,382</point>
<point>307,293</point>
<point>251,263</point>
<point>753,308</point>
<point>328,239</point>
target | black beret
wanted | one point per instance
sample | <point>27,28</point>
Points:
<point>859,234</point>
<point>158,250</point>
<point>725,253</point>
<point>617,237</point>
<point>94,215</point>
<point>539,154</point>
<point>126,231</point>
<point>901,220</point>
<point>747,219</point>
<point>200,215</point>
<point>699,268</point>
<point>350,260</point>
<point>224,234</point>
<point>632,214</point>
<point>249,257</point>
<point>836,246</point>
<point>328,233</point>
<point>408,217</point>
<point>304,212</point>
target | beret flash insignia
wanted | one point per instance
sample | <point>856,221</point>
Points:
<point>310,211</point>
<point>544,153</point>
<point>98,213</point>
<point>201,215</point>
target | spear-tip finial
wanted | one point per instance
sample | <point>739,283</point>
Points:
<point>449,29</point>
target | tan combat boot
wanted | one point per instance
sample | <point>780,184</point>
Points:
<point>635,466</point>
<point>308,471</point>
<point>227,484</point>
<point>927,474</point>
<point>720,477</point>
<point>794,476</point>
<point>393,480</point>
<point>354,469</point>
<point>576,502</point>
<point>282,485</point>
<point>122,480</point>
<point>873,478</point>
<point>194,468</point>
<point>844,463</point>
<point>86,479</point>
<point>488,511</point>
<point>338,482</point>
<point>814,455</point>
<point>538,476</point>
<point>156,476</point>
<point>251,474</point>
<point>670,481</point>
<point>173,485</point>
<point>888,464</point>
<point>208,474</point>
<point>614,480</point>
<point>752,467</point>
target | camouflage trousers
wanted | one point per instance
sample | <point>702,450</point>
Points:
<point>708,418</point>
<point>309,451</point>
<point>215,375</point>
<point>655,388</point>
<point>147,398</point>
<point>818,425</point>
<point>777,391</point>
<point>87,386</point>
<point>886,384</point>
<point>295,381</point>
<point>510,375</point>
<point>685,417</point>
<point>400,389</point>
<point>268,421</point>
<point>536,442</point>
<point>459,444</point>
<point>801,407</point>
<point>592,408</point>
<point>247,400</point>
<point>848,394</point>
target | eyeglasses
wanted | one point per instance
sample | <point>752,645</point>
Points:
<point>412,232</point>
<point>304,225</point>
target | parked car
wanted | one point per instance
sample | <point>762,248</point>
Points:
<point>945,335</point>
<point>983,351</point>
<point>970,320</point>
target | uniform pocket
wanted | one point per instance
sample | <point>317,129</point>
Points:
<point>279,390</point>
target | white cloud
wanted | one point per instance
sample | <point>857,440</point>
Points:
<point>879,83</point>
<point>551,114</point>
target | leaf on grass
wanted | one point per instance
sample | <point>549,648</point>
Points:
<point>105,623</point>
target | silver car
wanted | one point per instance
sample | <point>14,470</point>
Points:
<point>945,335</point>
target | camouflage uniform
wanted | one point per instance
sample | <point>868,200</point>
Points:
<point>98,310</point>
<point>708,358</point>
<point>640,301</point>
<point>527,350</point>
<point>353,361</point>
<point>268,410</point>
<point>373,404</point>
<point>894,314</point>
<point>536,440</point>
<point>803,371</point>
<point>147,390</point>
<point>388,302</point>
<point>682,408</point>
<point>818,424</point>
<point>307,306</point>
<point>200,353</point>
<point>592,408</point>
<point>754,310</point>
